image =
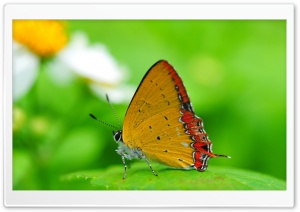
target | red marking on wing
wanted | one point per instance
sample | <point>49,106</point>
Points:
<point>188,117</point>
<point>201,143</point>
<point>201,146</point>
<point>198,162</point>
<point>177,82</point>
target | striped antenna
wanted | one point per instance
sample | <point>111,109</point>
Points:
<point>112,108</point>
<point>94,117</point>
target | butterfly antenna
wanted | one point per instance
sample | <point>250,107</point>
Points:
<point>112,108</point>
<point>94,117</point>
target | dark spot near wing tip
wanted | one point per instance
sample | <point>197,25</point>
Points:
<point>150,127</point>
<point>166,117</point>
<point>158,138</point>
<point>180,159</point>
<point>165,150</point>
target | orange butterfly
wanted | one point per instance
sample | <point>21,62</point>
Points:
<point>161,125</point>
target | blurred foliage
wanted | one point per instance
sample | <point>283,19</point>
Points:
<point>235,75</point>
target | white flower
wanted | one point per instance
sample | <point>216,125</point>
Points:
<point>25,70</point>
<point>94,63</point>
<point>122,93</point>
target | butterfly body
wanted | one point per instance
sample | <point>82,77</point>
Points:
<point>160,124</point>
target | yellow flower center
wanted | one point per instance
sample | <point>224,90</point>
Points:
<point>44,37</point>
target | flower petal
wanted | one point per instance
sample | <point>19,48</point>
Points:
<point>25,69</point>
<point>122,93</point>
<point>93,62</point>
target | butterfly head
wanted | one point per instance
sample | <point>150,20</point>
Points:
<point>118,136</point>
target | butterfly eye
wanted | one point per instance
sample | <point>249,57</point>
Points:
<point>118,136</point>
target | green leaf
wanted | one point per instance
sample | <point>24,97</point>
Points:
<point>140,177</point>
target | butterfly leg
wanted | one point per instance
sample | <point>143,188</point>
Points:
<point>125,166</point>
<point>144,157</point>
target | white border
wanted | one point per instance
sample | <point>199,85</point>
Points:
<point>147,198</point>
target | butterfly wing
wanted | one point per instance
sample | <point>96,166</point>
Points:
<point>160,121</point>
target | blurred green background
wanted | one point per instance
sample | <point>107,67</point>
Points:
<point>234,73</point>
